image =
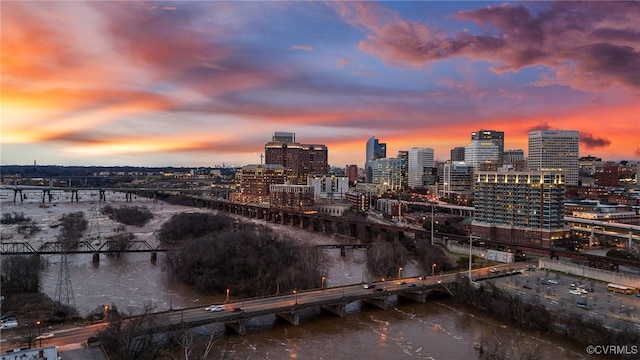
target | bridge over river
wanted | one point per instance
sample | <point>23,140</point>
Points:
<point>333,300</point>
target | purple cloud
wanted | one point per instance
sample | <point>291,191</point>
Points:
<point>591,142</point>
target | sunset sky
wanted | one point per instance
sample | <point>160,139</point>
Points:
<point>202,83</point>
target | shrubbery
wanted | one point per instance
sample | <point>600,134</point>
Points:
<point>129,215</point>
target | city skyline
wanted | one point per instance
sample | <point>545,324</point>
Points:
<point>205,83</point>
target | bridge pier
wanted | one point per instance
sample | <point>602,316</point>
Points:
<point>102,196</point>
<point>380,302</point>
<point>15,193</point>
<point>154,257</point>
<point>418,296</point>
<point>237,326</point>
<point>337,309</point>
<point>96,258</point>
<point>293,317</point>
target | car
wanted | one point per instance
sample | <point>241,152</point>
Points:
<point>235,309</point>
<point>493,270</point>
<point>44,336</point>
<point>575,292</point>
<point>9,324</point>
<point>214,308</point>
<point>551,281</point>
<point>402,282</point>
<point>526,286</point>
<point>412,285</point>
<point>369,286</point>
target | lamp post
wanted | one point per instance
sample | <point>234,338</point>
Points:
<point>322,284</point>
<point>399,272</point>
<point>39,332</point>
<point>295,293</point>
<point>432,223</point>
<point>226,301</point>
<point>106,312</point>
<point>470,241</point>
<point>433,267</point>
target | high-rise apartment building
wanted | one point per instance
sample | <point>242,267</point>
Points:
<point>519,207</point>
<point>420,167</point>
<point>513,156</point>
<point>496,137</point>
<point>386,173</point>
<point>555,150</point>
<point>299,160</point>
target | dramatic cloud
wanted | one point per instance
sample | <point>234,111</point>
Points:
<point>588,45</point>
<point>590,142</point>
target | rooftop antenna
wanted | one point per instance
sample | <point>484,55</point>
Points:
<point>261,157</point>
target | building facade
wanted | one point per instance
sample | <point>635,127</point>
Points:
<point>457,153</point>
<point>555,150</point>
<point>255,181</point>
<point>296,197</point>
<point>328,186</point>
<point>299,160</point>
<point>420,168</point>
<point>375,150</point>
<point>386,173</point>
<point>520,207</point>
<point>481,152</point>
<point>496,137</point>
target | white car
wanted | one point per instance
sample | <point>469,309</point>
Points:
<point>575,292</point>
<point>214,308</point>
<point>8,324</point>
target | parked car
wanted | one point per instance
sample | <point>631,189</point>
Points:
<point>551,281</point>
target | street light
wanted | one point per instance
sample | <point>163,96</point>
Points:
<point>227,295</point>
<point>399,272</point>
<point>470,241</point>
<point>431,223</point>
<point>433,266</point>
<point>296,296</point>
<point>322,284</point>
<point>106,312</point>
<point>39,332</point>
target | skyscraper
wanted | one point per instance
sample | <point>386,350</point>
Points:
<point>555,150</point>
<point>457,153</point>
<point>375,150</point>
<point>481,151</point>
<point>420,165</point>
<point>496,137</point>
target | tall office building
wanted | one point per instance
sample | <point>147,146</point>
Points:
<point>481,151</point>
<point>375,150</point>
<point>456,177</point>
<point>420,167</point>
<point>513,156</point>
<point>255,181</point>
<point>299,160</point>
<point>519,207</point>
<point>457,153</point>
<point>555,150</point>
<point>496,137</point>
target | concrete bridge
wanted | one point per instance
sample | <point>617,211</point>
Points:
<point>330,301</point>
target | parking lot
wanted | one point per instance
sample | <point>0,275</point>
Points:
<point>584,296</point>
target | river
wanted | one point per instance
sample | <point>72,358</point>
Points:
<point>439,329</point>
